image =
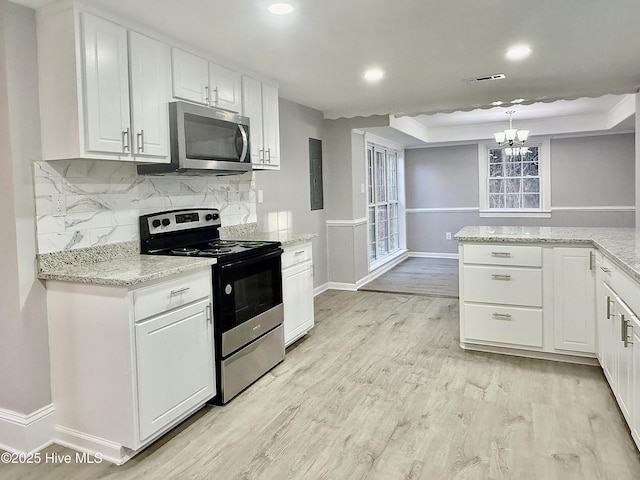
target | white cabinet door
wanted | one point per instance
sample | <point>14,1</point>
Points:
<point>106,86</point>
<point>624,354</point>
<point>635,394</point>
<point>252,108</point>
<point>297,293</point>
<point>271,124</point>
<point>574,299</point>
<point>149,66</point>
<point>225,88</point>
<point>174,356</point>
<point>190,75</point>
<point>606,335</point>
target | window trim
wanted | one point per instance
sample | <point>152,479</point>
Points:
<point>544,157</point>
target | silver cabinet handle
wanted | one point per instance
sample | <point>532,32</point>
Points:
<point>140,136</point>
<point>217,97</point>
<point>299,252</point>
<point>501,254</point>
<point>592,260</point>
<point>208,313</point>
<point>502,315</point>
<point>609,302</point>
<point>125,140</point>
<point>261,155</point>
<point>179,291</point>
<point>624,323</point>
<point>605,269</point>
<point>497,276</point>
<point>268,155</point>
<point>206,94</point>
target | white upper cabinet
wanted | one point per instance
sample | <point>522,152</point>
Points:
<point>106,86</point>
<point>100,97</point>
<point>149,62</point>
<point>225,88</point>
<point>197,80</point>
<point>260,104</point>
<point>190,77</point>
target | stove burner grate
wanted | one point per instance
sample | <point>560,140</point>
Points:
<point>215,251</point>
<point>251,244</point>
<point>223,243</point>
<point>186,251</point>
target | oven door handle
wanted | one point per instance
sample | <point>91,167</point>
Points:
<point>251,261</point>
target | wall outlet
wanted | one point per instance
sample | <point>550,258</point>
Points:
<point>59,205</point>
<point>448,235</point>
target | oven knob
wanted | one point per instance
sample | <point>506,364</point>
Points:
<point>156,223</point>
<point>166,221</point>
<point>228,289</point>
<point>208,217</point>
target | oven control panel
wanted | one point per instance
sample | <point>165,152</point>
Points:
<point>180,220</point>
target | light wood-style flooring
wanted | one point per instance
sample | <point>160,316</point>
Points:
<point>419,276</point>
<point>381,390</point>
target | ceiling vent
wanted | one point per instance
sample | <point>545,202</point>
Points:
<point>484,78</point>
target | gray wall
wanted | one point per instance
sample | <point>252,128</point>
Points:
<point>597,171</point>
<point>24,351</point>
<point>344,152</point>
<point>288,190</point>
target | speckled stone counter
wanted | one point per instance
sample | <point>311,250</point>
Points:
<point>621,245</point>
<point>250,232</point>
<point>118,264</point>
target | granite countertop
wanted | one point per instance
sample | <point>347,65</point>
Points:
<point>250,232</point>
<point>118,265</point>
<point>621,245</point>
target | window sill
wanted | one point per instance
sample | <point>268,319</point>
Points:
<point>386,259</point>
<point>516,213</point>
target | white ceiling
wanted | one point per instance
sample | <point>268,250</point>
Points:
<point>427,47</point>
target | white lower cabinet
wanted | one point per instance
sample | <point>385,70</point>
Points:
<point>297,291</point>
<point>574,299</point>
<point>127,365</point>
<point>635,395</point>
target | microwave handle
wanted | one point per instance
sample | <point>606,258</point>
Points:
<point>245,142</point>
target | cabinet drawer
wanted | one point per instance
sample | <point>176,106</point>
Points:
<point>510,286</point>
<point>296,254</point>
<point>496,254</point>
<point>171,294</point>
<point>491,323</point>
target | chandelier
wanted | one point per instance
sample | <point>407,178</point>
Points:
<point>511,136</point>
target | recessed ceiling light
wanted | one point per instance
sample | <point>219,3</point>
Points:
<point>497,103</point>
<point>373,75</point>
<point>518,52</point>
<point>517,100</point>
<point>281,8</point>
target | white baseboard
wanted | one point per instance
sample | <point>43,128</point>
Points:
<point>386,267</point>
<point>452,256</point>
<point>96,447</point>
<point>342,286</point>
<point>21,433</point>
<point>321,289</point>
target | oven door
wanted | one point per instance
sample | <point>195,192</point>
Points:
<point>246,288</point>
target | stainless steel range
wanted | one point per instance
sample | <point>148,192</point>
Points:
<point>247,292</point>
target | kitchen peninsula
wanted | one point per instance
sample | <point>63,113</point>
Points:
<point>558,293</point>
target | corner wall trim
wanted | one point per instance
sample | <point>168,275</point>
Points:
<point>347,223</point>
<point>452,256</point>
<point>351,287</point>
<point>20,433</point>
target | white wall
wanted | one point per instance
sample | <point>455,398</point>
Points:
<point>24,353</point>
<point>287,191</point>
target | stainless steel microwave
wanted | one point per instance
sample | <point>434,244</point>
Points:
<point>205,139</point>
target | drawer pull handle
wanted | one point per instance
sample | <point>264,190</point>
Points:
<point>502,315</point>
<point>605,269</point>
<point>497,276</point>
<point>179,291</point>
<point>300,252</point>
<point>501,254</point>
<point>609,311</point>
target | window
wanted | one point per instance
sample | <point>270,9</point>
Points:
<point>383,206</point>
<point>514,181</point>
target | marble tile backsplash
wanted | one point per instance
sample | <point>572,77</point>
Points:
<point>104,199</point>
